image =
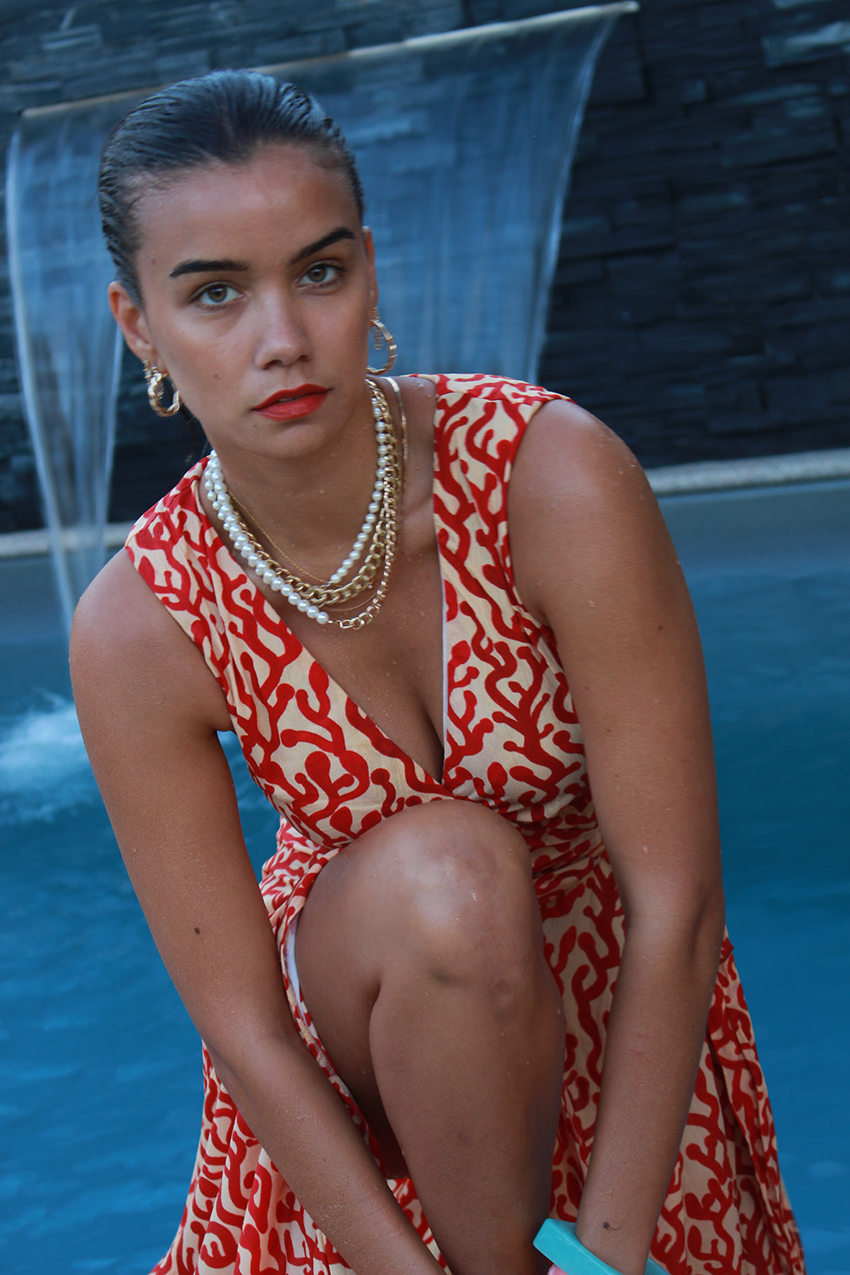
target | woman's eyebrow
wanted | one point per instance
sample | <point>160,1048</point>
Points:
<point>341,232</point>
<point>196,266</point>
<point>206,267</point>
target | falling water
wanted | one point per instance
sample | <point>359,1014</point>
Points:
<point>68,351</point>
<point>465,143</point>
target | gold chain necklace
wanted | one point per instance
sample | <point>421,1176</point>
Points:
<point>379,531</point>
<point>287,557</point>
<point>246,517</point>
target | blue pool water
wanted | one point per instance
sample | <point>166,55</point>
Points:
<point>99,1066</point>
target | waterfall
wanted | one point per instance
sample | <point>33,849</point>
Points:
<point>464,141</point>
<point>67,342</point>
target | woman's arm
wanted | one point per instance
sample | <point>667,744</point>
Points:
<point>149,710</point>
<point>593,560</point>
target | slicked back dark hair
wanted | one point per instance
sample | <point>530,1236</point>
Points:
<point>222,117</point>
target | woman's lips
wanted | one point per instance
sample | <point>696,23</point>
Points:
<point>299,403</point>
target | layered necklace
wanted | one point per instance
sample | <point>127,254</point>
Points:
<point>375,543</point>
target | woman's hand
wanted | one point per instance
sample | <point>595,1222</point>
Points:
<point>149,710</point>
<point>593,560</point>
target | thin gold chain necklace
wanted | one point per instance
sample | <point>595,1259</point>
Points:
<point>246,517</point>
<point>309,575</point>
<point>379,532</point>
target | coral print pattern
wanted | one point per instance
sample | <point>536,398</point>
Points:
<point>513,743</point>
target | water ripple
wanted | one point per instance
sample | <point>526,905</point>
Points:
<point>43,765</point>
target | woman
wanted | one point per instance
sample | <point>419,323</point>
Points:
<point>398,673</point>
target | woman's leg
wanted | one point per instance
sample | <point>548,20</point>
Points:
<point>420,955</point>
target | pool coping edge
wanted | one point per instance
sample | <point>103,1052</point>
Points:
<point>667,480</point>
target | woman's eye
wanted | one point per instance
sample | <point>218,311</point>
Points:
<point>322,272</point>
<point>217,294</point>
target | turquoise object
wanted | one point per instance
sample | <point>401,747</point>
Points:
<point>557,1241</point>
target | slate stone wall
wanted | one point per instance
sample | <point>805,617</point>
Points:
<point>702,299</point>
<point>702,303</point>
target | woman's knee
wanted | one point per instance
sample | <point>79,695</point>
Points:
<point>454,885</point>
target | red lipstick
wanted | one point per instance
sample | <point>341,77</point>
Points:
<point>288,405</point>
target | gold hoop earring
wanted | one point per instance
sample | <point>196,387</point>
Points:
<point>155,377</point>
<point>382,336</point>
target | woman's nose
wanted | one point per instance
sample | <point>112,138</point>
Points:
<point>281,335</point>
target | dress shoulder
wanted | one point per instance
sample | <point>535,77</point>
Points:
<point>490,387</point>
<point>480,420</point>
<point>171,548</point>
<point>479,423</point>
<point>174,515</point>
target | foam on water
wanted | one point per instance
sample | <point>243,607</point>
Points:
<point>44,769</point>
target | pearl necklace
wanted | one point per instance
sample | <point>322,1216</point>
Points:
<point>378,531</point>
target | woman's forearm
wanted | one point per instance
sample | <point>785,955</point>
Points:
<point>301,1122</point>
<point>655,1035</point>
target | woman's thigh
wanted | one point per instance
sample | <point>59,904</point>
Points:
<point>434,892</point>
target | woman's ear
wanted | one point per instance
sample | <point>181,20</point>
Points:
<point>132,323</point>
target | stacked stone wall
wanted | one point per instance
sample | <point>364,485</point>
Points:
<point>702,299</point>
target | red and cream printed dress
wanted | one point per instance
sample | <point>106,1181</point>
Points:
<point>512,742</point>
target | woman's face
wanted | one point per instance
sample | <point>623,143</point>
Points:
<point>256,281</point>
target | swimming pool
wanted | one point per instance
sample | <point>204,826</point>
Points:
<point>99,1064</point>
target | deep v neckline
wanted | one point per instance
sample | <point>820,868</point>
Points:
<point>216,544</point>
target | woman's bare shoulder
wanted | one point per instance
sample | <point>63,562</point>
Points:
<point>573,467</point>
<point>125,645</point>
<point>567,449</point>
<point>118,594</point>
<point>580,507</point>
<point>119,619</point>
